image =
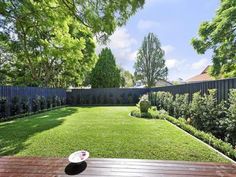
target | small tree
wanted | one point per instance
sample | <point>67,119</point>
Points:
<point>105,73</point>
<point>150,64</point>
<point>127,79</point>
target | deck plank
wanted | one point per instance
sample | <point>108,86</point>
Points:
<point>51,167</point>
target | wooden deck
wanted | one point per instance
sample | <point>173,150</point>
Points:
<point>35,167</point>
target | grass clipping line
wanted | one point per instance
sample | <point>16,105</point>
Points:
<point>209,139</point>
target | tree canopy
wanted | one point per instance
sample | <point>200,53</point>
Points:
<point>150,63</point>
<point>51,42</point>
<point>105,74</point>
<point>127,79</point>
<point>219,35</point>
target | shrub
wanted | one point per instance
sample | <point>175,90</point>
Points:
<point>63,101</point>
<point>25,106</point>
<point>36,104</point>
<point>181,106</point>
<point>231,118</point>
<point>111,98</point>
<point>130,98</point>
<point>218,144</point>
<point>58,101</point>
<point>49,102</point>
<point>148,115</point>
<point>43,103</point>
<point>15,105</point>
<point>144,104</point>
<point>54,101</point>
<point>206,113</point>
<point>3,107</point>
<point>164,100</point>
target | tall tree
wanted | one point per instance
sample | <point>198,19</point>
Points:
<point>105,73</point>
<point>127,79</point>
<point>51,41</point>
<point>150,64</point>
<point>219,35</point>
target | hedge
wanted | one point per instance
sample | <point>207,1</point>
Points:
<point>225,148</point>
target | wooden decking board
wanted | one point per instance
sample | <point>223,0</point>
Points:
<point>41,166</point>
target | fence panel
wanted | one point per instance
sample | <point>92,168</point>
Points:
<point>130,96</point>
<point>9,92</point>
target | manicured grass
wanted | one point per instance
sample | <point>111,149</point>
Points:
<point>104,131</point>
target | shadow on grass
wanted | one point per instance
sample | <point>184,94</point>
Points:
<point>15,133</point>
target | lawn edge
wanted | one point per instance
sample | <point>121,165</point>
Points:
<point>212,148</point>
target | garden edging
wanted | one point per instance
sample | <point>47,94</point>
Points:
<point>231,160</point>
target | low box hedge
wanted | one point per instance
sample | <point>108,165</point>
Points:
<point>225,148</point>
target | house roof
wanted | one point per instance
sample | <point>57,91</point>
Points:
<point>203,76</point>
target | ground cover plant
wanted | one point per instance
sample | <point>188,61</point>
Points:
<point>107,132</point>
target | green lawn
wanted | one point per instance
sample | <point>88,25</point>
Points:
<point>103,131</point>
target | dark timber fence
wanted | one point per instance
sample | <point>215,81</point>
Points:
<point>30,93</point>
<point>130,96</point>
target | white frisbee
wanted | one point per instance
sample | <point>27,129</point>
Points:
<point>79,156</point>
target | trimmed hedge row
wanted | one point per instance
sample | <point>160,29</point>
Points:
<point>204,112</point>
<point>151,114</point>
<point>208,138</point>
<point>22,106</point>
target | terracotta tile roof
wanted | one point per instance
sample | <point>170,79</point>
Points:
<point>204,76</point>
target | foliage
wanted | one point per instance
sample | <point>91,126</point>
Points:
<point>3,107</point>
<point>49,102</point>
<point>231,117</point>
<point>203,112</point>
<point>25,105</point>
<point>151,114</point>
<point>207,114</point>
<point>36,104</point>
<point>51,43</point>
<point>181,106</point>
<point>218,144</point>
<point>144,104</point>
<point>150,64</point>
<point>43,103</point>
<point>55,101</point>
<point>219,35</point>
<point>105,74</point>
<point>19,107</point>
<point>15,105</point>
<point>49,47</point>
<point>127,79</point>
<point>165,100</point>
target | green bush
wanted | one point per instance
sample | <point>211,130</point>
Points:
<point>164,100</point>
<point>15,106</point>
<point>204,112</point>
<point>231,118</point>
<point>36,104</point>
<point>144,104</point>
<point>130,98</point>
<point>3,107</point>
<point>207,114</point>
<point>148,115</point>
<point>49,102</point>
<point>181,106</point>
<point>43,103</point>
<point>25,106</point>
<point>55,101</point>
<point>58,101</point>
<point>218,144</point>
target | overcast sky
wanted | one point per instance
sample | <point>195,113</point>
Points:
<point>175,22</point>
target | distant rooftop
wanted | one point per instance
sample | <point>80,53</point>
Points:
<point>203,76</point>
